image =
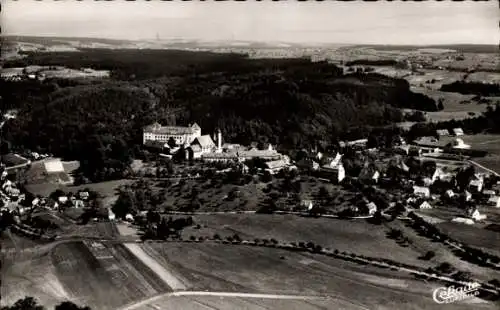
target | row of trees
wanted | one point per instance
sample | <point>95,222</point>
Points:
<point>30,303</point>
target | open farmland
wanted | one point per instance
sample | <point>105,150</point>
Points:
<point>456,106</point>
<point>443,253</point>
<point>489,143</point>
<point>231,303</point>
<point>246,269</point>
<point>439,76</point>
<point>107,188</point>
<point>31,276</point>
<point>104,276</point>
<point>357,236</point>
<point>473,236</point>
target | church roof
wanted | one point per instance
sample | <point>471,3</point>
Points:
<point>204,141</point>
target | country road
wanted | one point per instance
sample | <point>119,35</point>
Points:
<point>220,294</point>
<point>483,167</point>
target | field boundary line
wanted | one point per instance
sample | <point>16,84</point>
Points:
<point>221,294</point>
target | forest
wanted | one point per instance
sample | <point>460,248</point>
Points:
<point>293,103</point>
<point>474,88</point>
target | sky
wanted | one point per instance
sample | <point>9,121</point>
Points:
<point>397,22</point>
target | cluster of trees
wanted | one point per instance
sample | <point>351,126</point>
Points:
<point>372,62</point>
<point>291,102</point>
<point>475,88</point>
<point>158,227</point>
<point>30,303</point>
<point>137,197</point>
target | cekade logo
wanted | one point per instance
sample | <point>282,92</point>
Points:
<point>447,295</point>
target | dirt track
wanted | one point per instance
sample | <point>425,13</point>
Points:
<point>162,273</point>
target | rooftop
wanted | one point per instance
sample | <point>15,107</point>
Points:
<point>171,130</point>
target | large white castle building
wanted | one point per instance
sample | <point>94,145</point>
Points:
<point>189,137</point>
<point>181,135</point>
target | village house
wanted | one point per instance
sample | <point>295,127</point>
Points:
<point>275,166</point>
<point>307,204</point>
<point>459,144</point>
<point>458,131</point>
<point>449,193</point>
<point>494,201</point>
<point>334,171</point>
<point>372,208</point>
<point>425,205</point>
<point>476,215</point>
<point>421,191</point>
<point>443,132</point>
<point>84,195</point>
<point>477,183</point>
<point>489,192</point>
<point>439,174</point>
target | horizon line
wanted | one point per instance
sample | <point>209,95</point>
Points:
<point>249,41</point>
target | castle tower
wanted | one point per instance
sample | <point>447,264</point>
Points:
<point>219,141</point>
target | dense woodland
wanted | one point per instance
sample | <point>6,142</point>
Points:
<point>289,102</point>
<point>372,62</point>
<point>474,88</point>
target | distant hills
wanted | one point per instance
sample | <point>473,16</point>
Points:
<point>191,43</point>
